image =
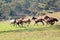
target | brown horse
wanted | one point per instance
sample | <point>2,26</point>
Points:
<point>50,20</point>
<point>16,22</point>
<point>13,21</point>
<point>19,22</point>
<point>38,20</point>
<point>24,20</point>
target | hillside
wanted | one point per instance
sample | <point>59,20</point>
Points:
<point>56,15</point>
<point>16,8</point>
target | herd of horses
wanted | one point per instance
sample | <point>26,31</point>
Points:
<point>46,19</point>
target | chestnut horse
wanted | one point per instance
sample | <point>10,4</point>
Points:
<point>16,22</point>
<point>24,20</point>
<point>19,21</point>
<point>38,20</point>
<point>50,20</point>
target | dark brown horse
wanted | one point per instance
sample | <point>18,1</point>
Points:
<point>38,20</point>
<point>50,20</point>
<point>19,22</point>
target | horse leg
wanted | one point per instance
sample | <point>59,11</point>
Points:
<point>14,24</point>
<point>42,22</point>
<point>47,22</point>
<point>35,23</point>
<point>52,23</point>
<point>18,25</point>
<point>11,24</point>
<point>28,23</point>
<point>22,24</point>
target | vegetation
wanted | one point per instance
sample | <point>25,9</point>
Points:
<point>16,8</point>
<point>7,27</point>
<point>31,32</point>
<point>10,8</point>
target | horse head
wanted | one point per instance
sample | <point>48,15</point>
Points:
<point>55,19</point>
<point>33,18</point>
<point>46,17</point>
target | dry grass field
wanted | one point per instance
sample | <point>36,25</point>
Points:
<point>56,15</point>
<point>35,35</point>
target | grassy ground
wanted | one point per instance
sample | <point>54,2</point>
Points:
<point>31,32</point>
<point>5,26</point>
<point>35,35</point>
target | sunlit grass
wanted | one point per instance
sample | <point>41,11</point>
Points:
<point>5,26</point>
<point>31,32</point>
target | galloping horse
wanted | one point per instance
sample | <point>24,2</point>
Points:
<point>16,21</point>
<point>13,21</point>
<point>19,21</point>
<point>24,20</point>
<point>38,20</point>
<point>50,20</point>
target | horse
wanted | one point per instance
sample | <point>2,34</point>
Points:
<point>16,22</point>
<point>38,20</point>
<point>24,20</point>
<point>12,21</point>
<point>50,20</point>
